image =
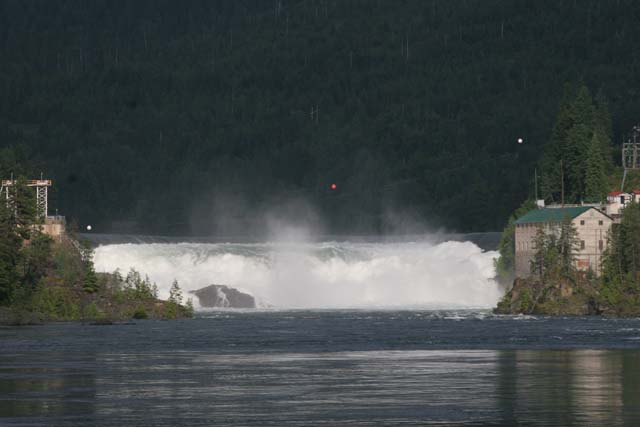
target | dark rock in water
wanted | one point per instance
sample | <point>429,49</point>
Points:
<point>222,296</point>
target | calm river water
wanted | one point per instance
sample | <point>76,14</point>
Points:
<point>332,368</point>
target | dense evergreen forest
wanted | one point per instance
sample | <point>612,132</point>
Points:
<point>191,116</point>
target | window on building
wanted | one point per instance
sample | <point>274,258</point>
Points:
<point>600,222</point>
<point>581,244</point>
<point>600,245</point>
<point>582,222</point>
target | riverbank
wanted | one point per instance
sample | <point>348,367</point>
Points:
<point>562,297</point>
<point>115,300</point>
<point>65,287</point>
<point>578,296</point>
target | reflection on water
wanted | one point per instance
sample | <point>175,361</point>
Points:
<point>310,369</point>
<point>42,388</point>
<point>569,387</point>
<point>508,387</point>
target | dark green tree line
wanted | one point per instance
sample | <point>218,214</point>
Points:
<point>162,112</point>
<point>578,158</point>
<point>621,265</point>
<point>21,265</point>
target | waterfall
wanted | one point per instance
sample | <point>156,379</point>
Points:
<point>320,275</point>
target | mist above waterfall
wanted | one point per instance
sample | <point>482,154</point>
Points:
<point>320,275</point>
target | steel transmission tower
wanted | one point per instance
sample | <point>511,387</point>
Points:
<point>42,193</point>
<point>631,153</point>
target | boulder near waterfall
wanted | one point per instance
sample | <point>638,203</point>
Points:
<point>221,296</point>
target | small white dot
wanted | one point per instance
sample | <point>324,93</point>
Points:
<point>88,228</point>
<point>520,140</point>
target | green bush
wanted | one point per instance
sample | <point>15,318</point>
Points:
<point>525,302</point>
<point>56,302</point>
<point>92,312</point>
<point>140,313</point>
<point>171,310</point>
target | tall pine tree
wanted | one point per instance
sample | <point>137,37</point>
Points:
<point>595,176</point>
<point>579,125</point>
<point>10,243</point>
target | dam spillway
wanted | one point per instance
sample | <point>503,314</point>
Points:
<point>318,275</point>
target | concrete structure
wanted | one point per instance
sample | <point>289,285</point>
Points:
<point>616,201</point>
<point>592,225</point>
<point>54,226</point>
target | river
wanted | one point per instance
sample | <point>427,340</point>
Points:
<point>327,367</point>
<point>349,334</point>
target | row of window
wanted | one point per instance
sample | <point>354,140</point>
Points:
<point>535,225</point>
<point>600,222</point>
<point>525,246</point>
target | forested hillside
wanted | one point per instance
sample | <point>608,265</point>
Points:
<point>185,117</point>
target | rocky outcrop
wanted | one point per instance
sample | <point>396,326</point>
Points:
<point>576,297</point>
<point>221,296</point>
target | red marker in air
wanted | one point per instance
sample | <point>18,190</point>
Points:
<point>333,186</point>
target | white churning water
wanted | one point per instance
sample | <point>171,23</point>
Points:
<point>320,275</point>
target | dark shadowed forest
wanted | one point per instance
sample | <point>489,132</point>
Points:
<point>191,117</point>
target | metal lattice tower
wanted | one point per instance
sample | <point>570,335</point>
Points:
<point>631,153</point>
<point>42,193</point>
<point>631,150</point>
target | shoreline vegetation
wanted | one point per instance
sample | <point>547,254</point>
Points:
<point>69,290</point>
<point>43,279</point>
<point>581,141</point>
<point>557,288</point>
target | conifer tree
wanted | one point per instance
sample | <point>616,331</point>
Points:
<point>579,121</point>
<point>595,178</point>
<point>22,205</point>
<point>604,128</point>
<point>621,262</point>
<point>175,293</point>
<point>583,108</point>
<point>505,264</point>
<point>90,283</point>
<point>576,148</point>
<point>550,178</point>
<point>35,259</point>
<point>539,256</point>
<point>189,307</point>
<point>567,245</point>
<point>20,265</point>
<point>629,243</point>
<point>10,243</point>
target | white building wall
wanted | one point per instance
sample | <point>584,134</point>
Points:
<point>593,230</point>
<point>592,227</point>
<point>525,236</point>
<point>616,202</point>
